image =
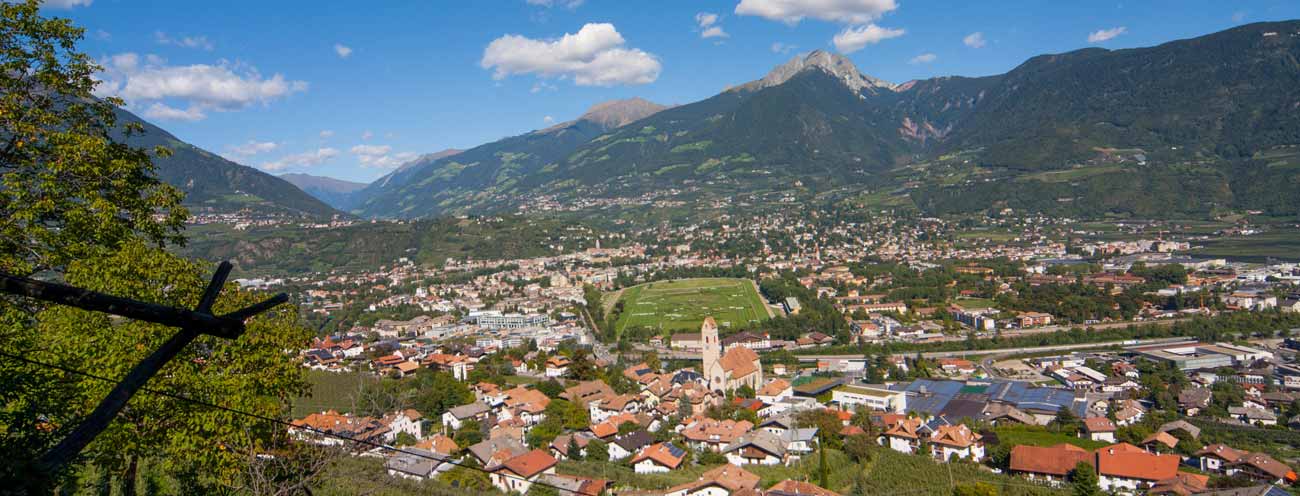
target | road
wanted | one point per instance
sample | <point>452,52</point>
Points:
<point>1009,351</point>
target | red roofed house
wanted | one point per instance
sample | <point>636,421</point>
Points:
<point>519,473</point>
<point>1099,429</point>
<point>659,457</point>
<point>956,440</point>
<point>1051,465</point>
<point>902,436</point>
<point>1124,466</point>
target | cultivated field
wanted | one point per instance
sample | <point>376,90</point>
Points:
<point>683,304</point>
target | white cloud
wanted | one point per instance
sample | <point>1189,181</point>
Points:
<point>1239,16</point>
<point>66,4</point>
<point>783,48</point>
<point>974,40</point>
<point>924,58</point>
<point>365,135</point>
<point>103,35</point>
<point>326,134</point>
<point>1106,34</point>
<point>708,24</point>
<point>380,156</point>
<point>548,120</point>
<point>856,38</point>
<point>793,11</point>
<point>184,41</point>
<point>304,159</point>
<point>163,112</point>
<point>342,50</point>
<point>252,147</point>
<point>162,89</point>
<point>568,4</point>
<point>714,32</point>
<point>371,150</point>
<point>594,56</point>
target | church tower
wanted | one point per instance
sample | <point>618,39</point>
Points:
<point>712,351</point>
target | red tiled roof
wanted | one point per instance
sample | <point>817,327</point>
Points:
<point>661,454</point>
<point>1130,462</point>
<point>1098,424</point>
<point>801,488</point>
<point>531,463</point>
<point>1057,460</point>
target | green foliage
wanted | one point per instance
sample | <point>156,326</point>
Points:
<point>1084,480</point>
<point>597,451</point>
<point>251,373</point>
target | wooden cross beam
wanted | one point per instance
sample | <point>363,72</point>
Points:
<point>192,323</point>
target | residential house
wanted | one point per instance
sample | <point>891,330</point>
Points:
<point>656,458</point>
<point>758,448</point>
<point>519,473</point>
<point>724,480</point>
<point>956,441</point>
<point>902,435</point>
<point>1099,429</point>
<point>1263,468</point>
<point>405,421</point>
<point>704,433</point>
<point>1123,467</point>
<point>493,452</point>
<point>456,417</point>
<point>629,444</point>
<point>1051,465</point>
<point>415,463</point>
<point>557,366</point>
<point>798,488</point>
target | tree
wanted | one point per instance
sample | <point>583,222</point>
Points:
<point>70,191</point>
<point>597,451</point>
<point>437,392</point>
<point>1083,480</point>
<point>469,434</point>
<point>652,361</point>
<point>1066,421</point>
<point>858,447</point>
<point>251,373</point>
<point>581,367</point>
<point>404,439</point>
<point>467,475</point>
<point>574,452</point>
<point>551,388</point>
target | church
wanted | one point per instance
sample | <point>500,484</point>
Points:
<point>738,366</point>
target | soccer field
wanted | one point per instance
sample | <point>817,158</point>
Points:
<point>682,305</point>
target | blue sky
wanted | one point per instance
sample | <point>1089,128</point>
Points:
<point>352,90</point>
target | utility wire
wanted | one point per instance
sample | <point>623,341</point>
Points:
<point>276,421</point>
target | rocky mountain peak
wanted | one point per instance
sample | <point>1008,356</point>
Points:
<point>617,113</point>
<point>832,63</point>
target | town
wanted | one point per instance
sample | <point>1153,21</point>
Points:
<point>1121,365</point>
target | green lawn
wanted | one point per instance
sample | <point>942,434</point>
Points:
<point>1037,436</point>
<point>683,304</point>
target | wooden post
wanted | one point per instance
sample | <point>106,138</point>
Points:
<point>191,324</point>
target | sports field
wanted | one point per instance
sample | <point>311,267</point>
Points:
<point>683,304</point>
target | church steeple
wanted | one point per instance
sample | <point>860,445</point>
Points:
<point>712,351</point>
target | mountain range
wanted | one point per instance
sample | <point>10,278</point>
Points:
<point>214,184</point>
<point>1192,112</point>
<point>1191,126</point>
